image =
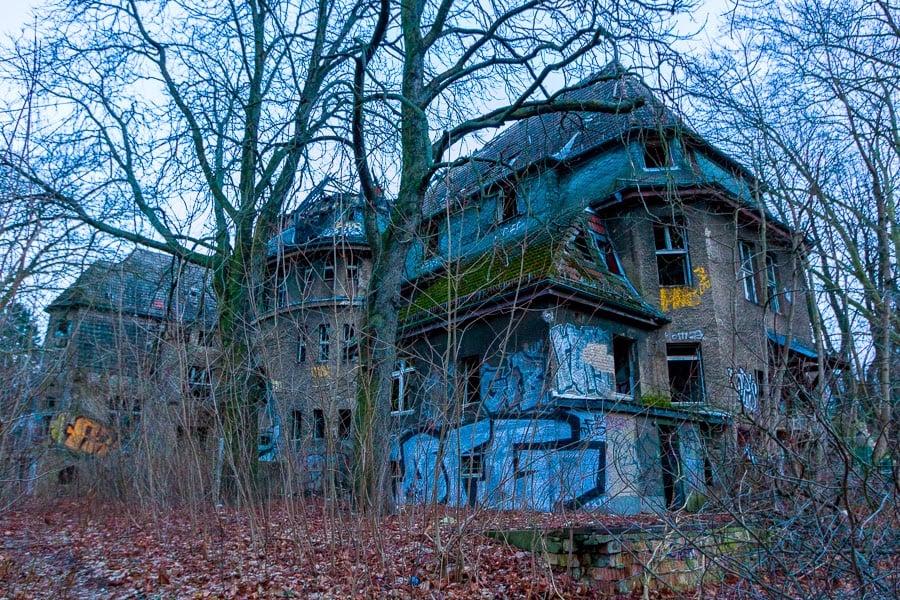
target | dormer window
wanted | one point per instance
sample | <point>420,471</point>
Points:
<point>507,201</point>
<point>658,155</point>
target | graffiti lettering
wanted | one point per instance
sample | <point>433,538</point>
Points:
<point>671,298</point>
<point>82,434</point>
<point>585,367</point>
<point>746,386</point>
<point>695,335</point>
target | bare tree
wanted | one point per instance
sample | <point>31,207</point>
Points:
<point>185,127</point>
<point>444,71</point>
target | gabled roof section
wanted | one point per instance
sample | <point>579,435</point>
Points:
<point>533,264</point>
<point>145,283</point>
<point>322,220</point>
<point>559,137</point>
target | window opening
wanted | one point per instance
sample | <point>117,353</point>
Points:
<point>352,274</point>
<point>301,347</point>
<point>472,465</point>
<point>350,348</point>
<point>507,201</point>
<point>657,155</point>
<point>319,424</point>
<point>471,371</point>
<point>399,401</point>
<point>345,423</point>
<point>281,295</point>
<point>324,342</point>
<point>685,373</point>
<point>672,259</point>
<point>748,273</point>
<point>63,330</point>
<point>772,283</point>
<point>328,274</point>
<point>623,359</point>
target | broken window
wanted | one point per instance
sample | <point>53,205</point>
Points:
<point>63,330</point>
<point>470,369</point>
<point>296,428</point>
<point>672,259</point>
<point>595,246</point>
<point>772,283</point>
<point>657,155</point>
<point>324,342</point>
<point>685,373</point>
<point>747,271</point>
<point>399,401</point>
<point>198,382</point>
<point>472,465</point>
<point>301,346</point>
<point>349,349</point>
<point>281,295</point>
<point>507,201</point>
<point>623,358</point>
<point>328,273</point>
<point>318,424</point>
<point>345,423</point>
<point>352,274</point>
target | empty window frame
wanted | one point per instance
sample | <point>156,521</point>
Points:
<point>349,346</point>
<point>685,373</point>
<point>318,424</point>
<point>352,272</point>
<point>400,377</point>
<point>658,155</point>
<point>747,271</point>
<point>507,201</point>
<point>328,273</point>
<point>324,342</point>
<point>345,423</point>
<point>62,333</point>
<point>470,370</point>
<point>772,283</point>
<point>305,282</point>
<point>623,359</point>
<point>281,295</point>
<point>471,465</point>
<point>301,346</point>
<point>672,258</point>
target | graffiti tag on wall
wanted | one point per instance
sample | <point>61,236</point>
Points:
<point>585,364</point>
<point>519,384</point>
<point>82,434</point>
<point>534,462</point>
<point>684,296</point>
<point>746,386</point>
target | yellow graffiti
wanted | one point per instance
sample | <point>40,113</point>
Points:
<point>82,434</point>
<point>671,298</point>
<point>320,371</point>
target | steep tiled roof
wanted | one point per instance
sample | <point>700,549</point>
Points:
<point>323,219</point>
<point>146,284</point>
<point>559,136</point>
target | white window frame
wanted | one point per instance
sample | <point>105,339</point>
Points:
<point>772,283</point>
<point>669,249</point>
<point>746,253</point>
<point>400,375</point>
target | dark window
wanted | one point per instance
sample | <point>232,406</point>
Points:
<point>623,358</point>
<point>672,259</point>
<point>63,330</point>
<point>507,201</point>
<point>472,465</point>
<point>328,274</point>
<point>198,381</point>
<point>350,349</point>
<point>345,423</point>
<point>324,342</point>
<point>296,427</point>
<point>399,400</point>
<point>281,295</point>
<point>305,281</point>
<point>748,272</point>
<point>772,283</point>
<point>301,347</point>
<point>319,424</point>
<point>685,373</point>
<point>657,155</point>
<point>471,373</point>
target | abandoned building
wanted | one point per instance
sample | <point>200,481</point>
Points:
<point>128,344</point>
<point>596,308</point>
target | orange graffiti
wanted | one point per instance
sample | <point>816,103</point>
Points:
<point>82,434</point>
